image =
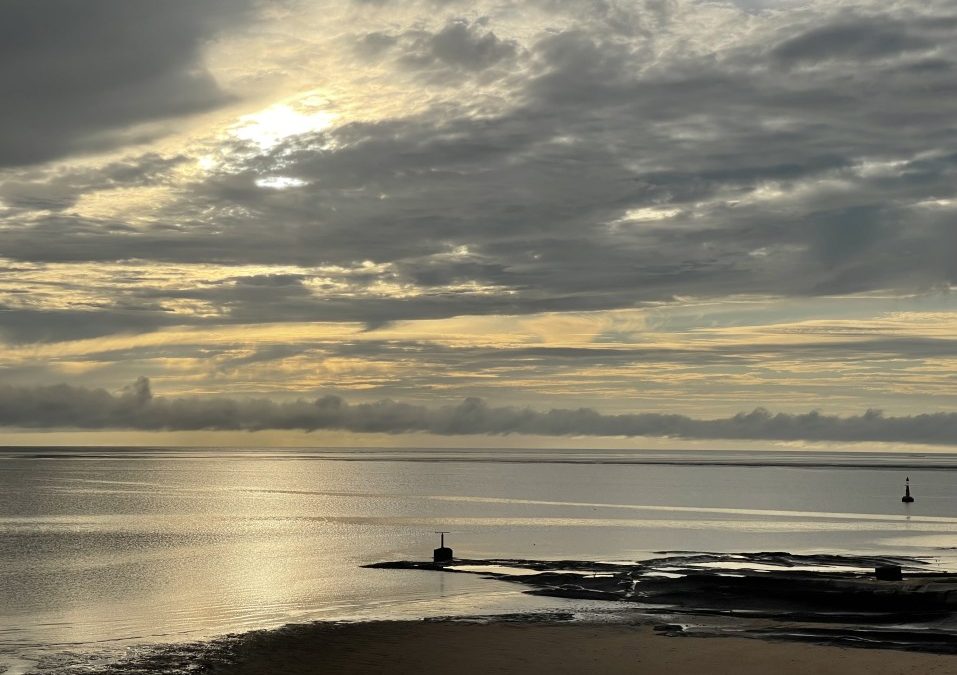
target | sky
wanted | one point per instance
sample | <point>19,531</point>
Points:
<point>658,223</point>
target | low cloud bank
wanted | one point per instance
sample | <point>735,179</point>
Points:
<point>60,406</point>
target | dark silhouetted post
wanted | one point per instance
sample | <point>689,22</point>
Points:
<point>888,573</point>
<point>442,554</point>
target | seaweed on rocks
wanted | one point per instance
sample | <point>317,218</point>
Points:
<point>776,587</point>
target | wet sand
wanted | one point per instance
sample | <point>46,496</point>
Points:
<point>468,648</point>
<point>827,599</point>
<point>748,613</point>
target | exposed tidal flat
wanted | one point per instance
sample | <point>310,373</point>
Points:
<point>126,555</point>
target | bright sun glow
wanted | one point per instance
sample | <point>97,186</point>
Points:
<point>271,126</point>
<point>280,182</point>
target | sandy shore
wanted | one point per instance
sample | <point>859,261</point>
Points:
<point>528,648</point>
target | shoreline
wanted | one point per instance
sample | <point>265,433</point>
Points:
<point>825,599</point>
<point>519,643</point>
<point>683,612</point>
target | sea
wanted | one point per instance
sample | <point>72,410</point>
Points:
<point>109,552</point>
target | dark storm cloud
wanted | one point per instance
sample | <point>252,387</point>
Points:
<point>76,75</point>
<point>861,39</point>
<point>461,44</point>
<point>458,49</point>
<point>20,326</point>
<point>59,189</point>
<point>63,406</point>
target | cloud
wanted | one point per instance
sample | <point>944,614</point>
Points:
<point>60,189</point>
<point>18,326</point>
<point>82,74</point>
<point>862,38</point>
<point>461,48</point>
<point>465,45</point>
<point>811,170</point>
<point>64,406</point>
<point>492,160</point>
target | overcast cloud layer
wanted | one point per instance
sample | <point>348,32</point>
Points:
<point>74,407</point>
<point>659,206</point>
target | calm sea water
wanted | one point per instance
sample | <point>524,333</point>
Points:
<point>104,551</point>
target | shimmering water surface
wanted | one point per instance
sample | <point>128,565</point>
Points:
<point>102,551</point>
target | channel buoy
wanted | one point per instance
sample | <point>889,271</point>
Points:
<point>907,499</point>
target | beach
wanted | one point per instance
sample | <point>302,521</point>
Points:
<point>465,648</point>
<point>503,336</point>
<point>121,557</point>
